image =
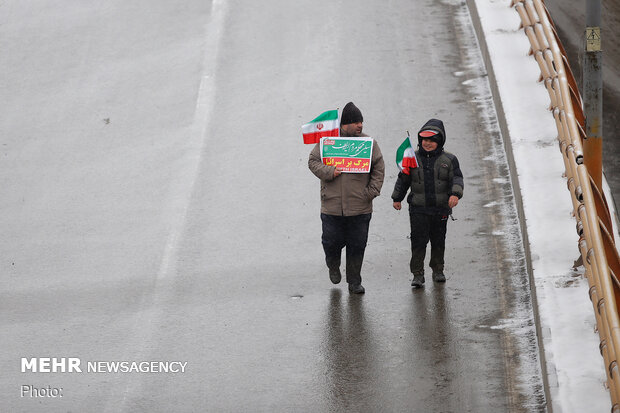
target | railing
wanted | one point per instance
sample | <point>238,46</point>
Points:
<point>594,223</point>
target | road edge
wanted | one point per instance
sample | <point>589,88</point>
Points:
<point>548,371</point>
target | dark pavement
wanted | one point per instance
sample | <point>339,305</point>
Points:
<point>184,225</point>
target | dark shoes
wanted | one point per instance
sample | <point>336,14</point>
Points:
<point>334,275</point>
<point>418,281</point>
<point>439,277</point>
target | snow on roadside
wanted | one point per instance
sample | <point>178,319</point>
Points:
<point>574,365</point>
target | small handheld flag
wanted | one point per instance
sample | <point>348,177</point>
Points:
<point>326,124</point>
<point>405,156</point>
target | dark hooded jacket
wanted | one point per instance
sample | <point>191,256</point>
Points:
<point>437,177</point>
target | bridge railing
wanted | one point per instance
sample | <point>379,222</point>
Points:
<point>594,222</point>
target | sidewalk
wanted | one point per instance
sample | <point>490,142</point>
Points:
<point>572,365</point>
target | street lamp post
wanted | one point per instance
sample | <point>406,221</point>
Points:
<point>593,93</point>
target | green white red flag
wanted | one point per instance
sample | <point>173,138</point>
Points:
<point>326,124</point>
<point>405,156</point>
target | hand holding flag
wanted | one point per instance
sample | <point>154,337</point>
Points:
<point>405,156</point>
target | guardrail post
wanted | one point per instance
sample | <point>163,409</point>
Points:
<point>580,137</point>
<point>593,92</point>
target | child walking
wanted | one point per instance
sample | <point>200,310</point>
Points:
<point>435,184</point>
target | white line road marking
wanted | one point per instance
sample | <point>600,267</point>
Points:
<point>181,198</point>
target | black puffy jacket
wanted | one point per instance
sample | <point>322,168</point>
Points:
<point>437,177</point>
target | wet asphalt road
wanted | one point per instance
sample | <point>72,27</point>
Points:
<point>213,256</point>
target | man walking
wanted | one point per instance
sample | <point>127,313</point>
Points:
<point>346,204</point>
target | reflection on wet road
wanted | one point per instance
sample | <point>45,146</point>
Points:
<point>207,250</point>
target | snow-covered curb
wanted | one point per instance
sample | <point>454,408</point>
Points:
<point>574,368</point>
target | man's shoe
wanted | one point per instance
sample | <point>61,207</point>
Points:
<point>356,289</point>
<point>334,275</point>
<point>418,281</point>
<point>439,277</point>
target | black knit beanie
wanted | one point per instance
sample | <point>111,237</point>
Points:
<point>351,114</point>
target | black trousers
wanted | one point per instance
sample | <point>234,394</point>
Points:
<point>350,232</point>
<point>425,228</point>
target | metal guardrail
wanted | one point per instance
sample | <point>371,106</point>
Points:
<point>594,223</point>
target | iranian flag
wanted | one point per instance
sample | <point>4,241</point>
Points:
<point>326,124</point>
<point>405,156</point>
